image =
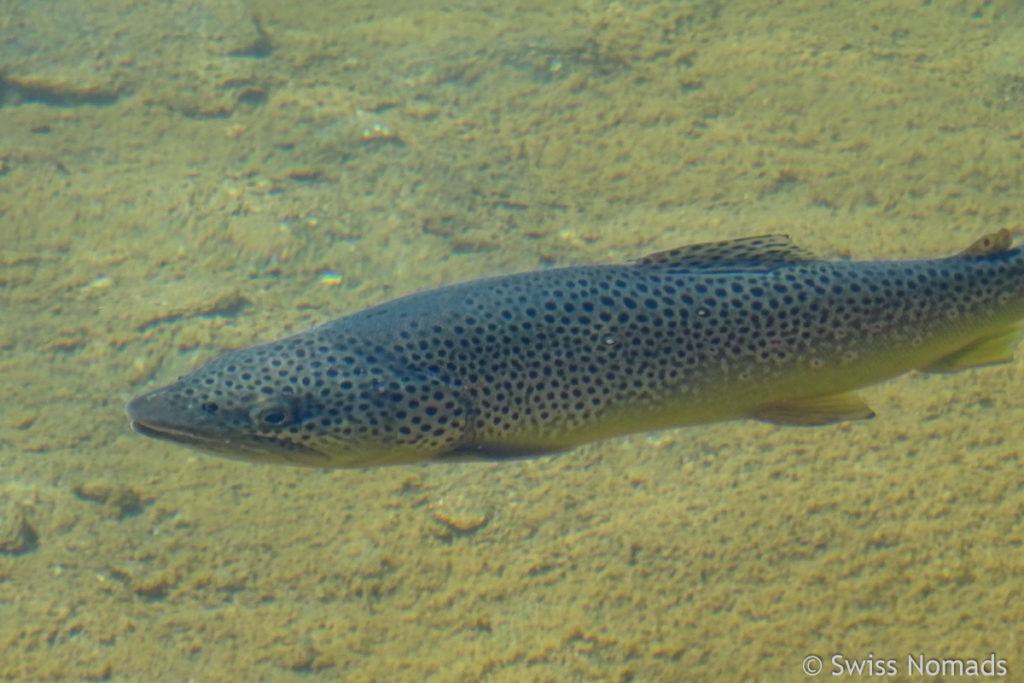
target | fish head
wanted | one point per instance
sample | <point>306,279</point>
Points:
<point>306,402</point>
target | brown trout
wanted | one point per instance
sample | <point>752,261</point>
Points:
<point>541,362</point>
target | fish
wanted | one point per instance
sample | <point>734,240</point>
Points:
<point>541,362</point>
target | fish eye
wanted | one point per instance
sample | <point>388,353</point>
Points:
<point>273,415</point>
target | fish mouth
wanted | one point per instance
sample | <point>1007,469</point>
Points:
<point>248,447</point>
<point>189,438</point>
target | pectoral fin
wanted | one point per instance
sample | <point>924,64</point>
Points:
<point>497,453</point>
<point>991,349</point>
<point>815,411</point>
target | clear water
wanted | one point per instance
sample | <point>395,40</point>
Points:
<point>176,180</point>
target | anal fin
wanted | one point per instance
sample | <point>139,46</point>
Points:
<point>815,411</point>
<point>991,349</point>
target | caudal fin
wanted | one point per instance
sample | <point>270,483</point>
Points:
<point>990,349</point>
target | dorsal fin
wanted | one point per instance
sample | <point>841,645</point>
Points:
<point>763,252</point>
<point>992,243</point>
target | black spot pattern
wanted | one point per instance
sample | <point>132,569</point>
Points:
<point>316,393</point>
<point>535,358</point>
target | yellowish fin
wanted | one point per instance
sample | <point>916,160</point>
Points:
<point>815,410</point>
<point>991,349</point>
<point>993,243</point>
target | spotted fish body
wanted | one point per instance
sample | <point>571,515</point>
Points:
<point>541,362</point>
